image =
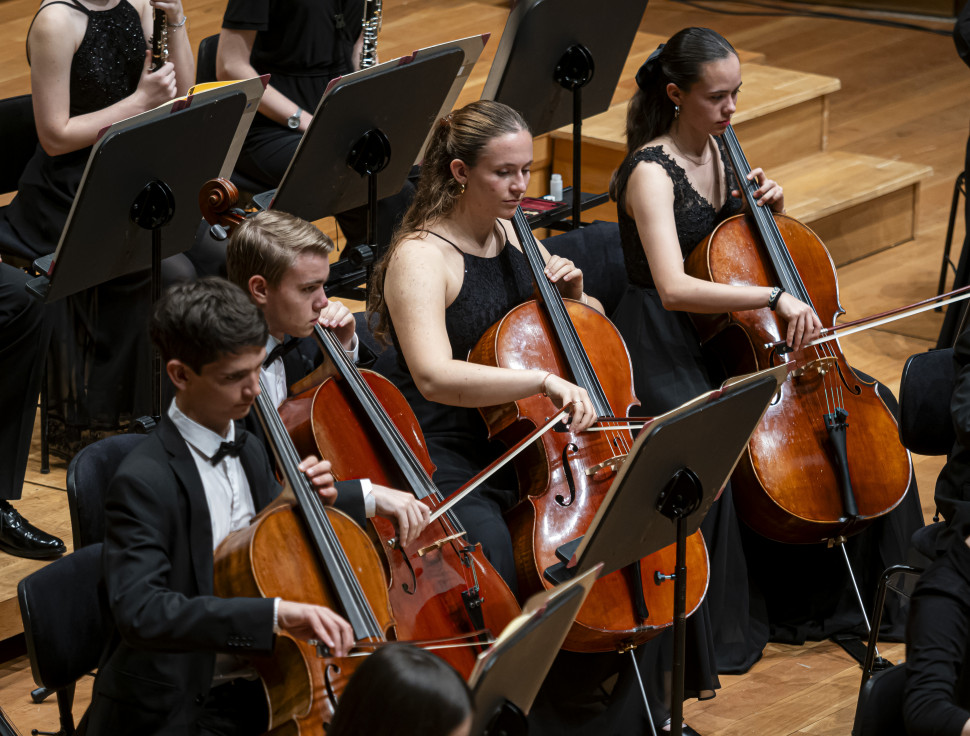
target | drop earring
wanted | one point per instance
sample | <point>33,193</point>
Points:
<point>676,111</point>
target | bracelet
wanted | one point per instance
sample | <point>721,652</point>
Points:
<point>179,25</point>
<point>542,386</point>
<point>774,297</point>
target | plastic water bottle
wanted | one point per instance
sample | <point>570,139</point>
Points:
<point>555,187</point>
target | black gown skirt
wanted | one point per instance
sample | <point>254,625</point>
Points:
<point>761,590</point>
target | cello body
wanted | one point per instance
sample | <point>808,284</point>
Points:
<point>791,485</point>
<point>433,594</point>
<point>560,494</point>
<point>275,557</point>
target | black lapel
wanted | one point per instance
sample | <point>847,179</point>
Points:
<point>200,523</point>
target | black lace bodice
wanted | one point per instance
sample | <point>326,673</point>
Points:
<point>107,64</point>
<point>694,216</point>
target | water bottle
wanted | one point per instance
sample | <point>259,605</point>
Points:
<point>555,188</point>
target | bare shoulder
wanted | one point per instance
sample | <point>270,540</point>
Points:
<point>417,263</point>
<point>57,27</point>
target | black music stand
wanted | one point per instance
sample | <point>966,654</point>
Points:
<point>551,50</point>
<point>370,122</point>
<point>507,677</point>
<point>673,473</point>
<point>132,190</point>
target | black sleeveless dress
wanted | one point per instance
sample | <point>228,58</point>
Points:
<point>457,436</point>
<point>759,589</point>
<point>106,68</point>
<point>583,693</point>
<point>98,369</point>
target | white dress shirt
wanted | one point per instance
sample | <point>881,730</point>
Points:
<point>226,485</point>
<point>274,381</point>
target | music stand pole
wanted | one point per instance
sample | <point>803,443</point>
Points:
<point>152,209</point>
<point>573,72</point>
<point>679,499</point>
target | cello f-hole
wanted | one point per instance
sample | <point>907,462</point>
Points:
<point>570,481</point>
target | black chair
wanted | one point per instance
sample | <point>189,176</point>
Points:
<point>88,476</point>
<point>19,137</point>
<point>925,428</point>
<point>205,71</point>
<point>880,708</point>
<point>205,61</point>
<point>66,625</point>
<point>595,249</point>
<point>925,388</point>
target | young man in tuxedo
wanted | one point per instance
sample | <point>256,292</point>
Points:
<point>282,262</point>
<point>196,479</point>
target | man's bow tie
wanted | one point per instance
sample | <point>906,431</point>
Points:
<point>232,449</point>
<point>279,351</point>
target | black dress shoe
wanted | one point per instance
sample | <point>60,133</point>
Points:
<point>19,537</point>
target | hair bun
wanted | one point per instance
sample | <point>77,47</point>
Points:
<point>649,68</point>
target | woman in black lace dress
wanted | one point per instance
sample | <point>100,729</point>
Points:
<point>674,187</point>
<point>90,68</point>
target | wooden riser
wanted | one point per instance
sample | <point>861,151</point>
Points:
<point>782,116</point>
<point>857,204</point>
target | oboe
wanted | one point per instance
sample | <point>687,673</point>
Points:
<point>159,38</point>
<point>371,27</point>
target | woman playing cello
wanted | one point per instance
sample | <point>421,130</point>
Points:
<point>674,187</point>
<point>453,270</point>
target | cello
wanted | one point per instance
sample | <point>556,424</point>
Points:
<point>565,477</point>
<point>441,584</point>
<point>299,550</point>
<point>826,458</point>
<point>441,587</point>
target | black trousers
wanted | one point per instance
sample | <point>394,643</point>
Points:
<point>24,334</point>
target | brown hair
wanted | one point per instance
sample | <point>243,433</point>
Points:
<point>201,321</point>
<point>268,245</point>
<point>462,134</point>
<point>681,60</point>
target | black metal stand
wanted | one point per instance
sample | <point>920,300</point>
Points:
<point>153,208</point>
<point>507,720</point>
<point>368,157</point>
<point>679,498</point>
<point>549,47</point>
<point>573,72</point>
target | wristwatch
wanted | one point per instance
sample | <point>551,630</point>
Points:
<point>293,122</point>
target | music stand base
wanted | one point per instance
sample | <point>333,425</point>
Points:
<point>508,720</point>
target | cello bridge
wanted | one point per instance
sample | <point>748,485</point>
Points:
<point>814,369</point>
<point>614,464</point>
<point>439,544</point>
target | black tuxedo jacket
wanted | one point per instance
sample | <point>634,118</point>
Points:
<point>158,568</point>
<point>297,364</point>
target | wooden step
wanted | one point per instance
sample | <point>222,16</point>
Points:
<point>857,205</point>
<point>782,116</point>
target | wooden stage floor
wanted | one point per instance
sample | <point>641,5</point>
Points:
<point>904,95</point>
